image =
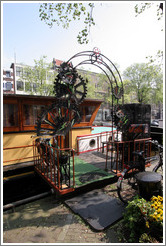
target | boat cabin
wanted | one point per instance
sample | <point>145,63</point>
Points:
<point>20,113</point>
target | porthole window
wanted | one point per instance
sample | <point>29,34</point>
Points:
<point>92,143</point>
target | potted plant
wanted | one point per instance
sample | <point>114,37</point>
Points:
<point>63,157</point>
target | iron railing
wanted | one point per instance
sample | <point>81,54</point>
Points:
<point>8,162</point>
<point>121,153</point>
<point>56,166</point>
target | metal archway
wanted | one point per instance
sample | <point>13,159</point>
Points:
<point>70,90</point>
<point>102,62</point>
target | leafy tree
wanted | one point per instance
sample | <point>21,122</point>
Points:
<point>105,85</point>
<point>145,81</point>
<point>91,85</point>
<point>141,7</point>
<point>129,94</point>
<point>91,90</point>
<point>98,86</point>
<point>39,79</point>
<point>157,59</point>
<point>62,13</point>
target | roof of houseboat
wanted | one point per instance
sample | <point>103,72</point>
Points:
<point>45,97</point>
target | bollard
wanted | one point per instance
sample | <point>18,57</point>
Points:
<point>149,184</point>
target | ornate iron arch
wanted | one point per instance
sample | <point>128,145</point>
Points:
<point>71,89</point>
<point>102,62</point>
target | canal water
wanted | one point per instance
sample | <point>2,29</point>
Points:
<point>99,129</point>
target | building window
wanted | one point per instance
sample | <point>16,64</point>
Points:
<point>26,73</point>
<point>36,73</point>
<point>31,113</point>
<point>7,86</point>
<point>35,87</point>
<point>8,74</point>
<point>20,85</point>
<point>28,87</point>
<point>10,115</point>
<point>19,71</point>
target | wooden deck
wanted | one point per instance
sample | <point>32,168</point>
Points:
<point>73,174</point>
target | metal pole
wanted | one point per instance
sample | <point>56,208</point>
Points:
<point>27,200</point>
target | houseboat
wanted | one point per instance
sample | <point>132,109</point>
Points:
<point>20,114</point>
<point>22,154</point>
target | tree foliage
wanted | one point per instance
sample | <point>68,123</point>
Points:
<point>145,82</point>
<point>141,7</point>
<point>64,13</point>
<point>157,59</point>
<point>91,85</point>
<point>39,78</point>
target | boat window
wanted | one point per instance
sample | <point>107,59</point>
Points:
<point>21,114</point>
<point>10,115</point>
<point>87,112</point>
<point>31,113</point>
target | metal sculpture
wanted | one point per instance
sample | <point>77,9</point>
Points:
<point>58,119</point>
<point>71,89</point>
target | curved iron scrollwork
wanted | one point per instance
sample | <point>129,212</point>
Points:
<point>103,63</point>
<point>118,92</point>
<point>58,119</point>
<point>71,89</point>
<point>95,56</point>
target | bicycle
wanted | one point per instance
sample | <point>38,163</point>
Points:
<point>127,186</point>
<point>159,166</point>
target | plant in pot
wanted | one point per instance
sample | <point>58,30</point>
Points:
<point>63,157</point>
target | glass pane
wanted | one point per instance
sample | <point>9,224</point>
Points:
<point>87,112</point>
<point>28,86</point>
<point>8,74</point>
<point>31,113</point>
<point>37,110</point>
<point>28,114</point>
<point>35,87</point>
<point>10,115</point>
<point>19,71</point>
<point>20,85</point>
<point>8,86</point>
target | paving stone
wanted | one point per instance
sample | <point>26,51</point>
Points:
<point>22,227</point>
<point>49,221</point>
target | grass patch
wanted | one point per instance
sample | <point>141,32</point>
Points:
<point>81,168</point>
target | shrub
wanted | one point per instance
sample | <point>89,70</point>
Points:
<point>143,220</point>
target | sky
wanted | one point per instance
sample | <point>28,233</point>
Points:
<point>120,36</point>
